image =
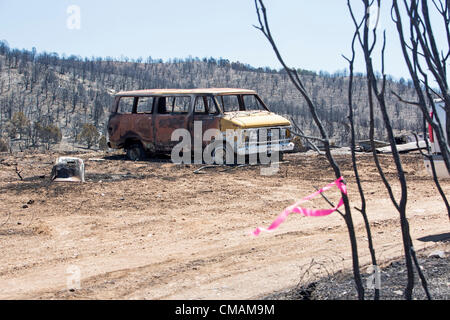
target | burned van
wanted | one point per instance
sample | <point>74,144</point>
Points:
<point>143,122</point>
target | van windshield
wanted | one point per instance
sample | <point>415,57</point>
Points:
<point>252,103</point>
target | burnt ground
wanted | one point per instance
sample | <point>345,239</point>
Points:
<point>156,230</point>
<point>393,279</point>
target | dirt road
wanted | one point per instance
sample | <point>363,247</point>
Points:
<point>155,230</point>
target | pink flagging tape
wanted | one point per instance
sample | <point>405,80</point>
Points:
<point>295,208</point>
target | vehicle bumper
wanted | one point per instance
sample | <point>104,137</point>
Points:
<point>265,148</point>
<point>112,145</point>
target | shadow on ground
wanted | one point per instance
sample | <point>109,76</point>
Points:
<point>444,237</point>
<point>158,158</point>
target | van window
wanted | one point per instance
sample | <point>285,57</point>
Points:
<point>251,103</point>
<point>229,103</point>
<point>205,105</point>
<point>126,105</point>
<point>212,106</point>
<point>145,105</point>
<point>200,105</point>
<point>178,105</point>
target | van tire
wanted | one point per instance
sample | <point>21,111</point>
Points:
<point>221,151</point>
<point>280,157</point>
<point>136,152</point>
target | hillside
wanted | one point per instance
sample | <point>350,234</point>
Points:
<point>68,92</point>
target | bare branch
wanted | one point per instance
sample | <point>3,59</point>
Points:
<point>404,101</point>
<point>354,163</point>
<point>329,201</point>
<point>401,205</point>
<point>18,172</point>
<point>296,81</point>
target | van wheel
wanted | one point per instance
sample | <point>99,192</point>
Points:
<point>264,156</point>
<point>136,152</point>
<point>219,155</point>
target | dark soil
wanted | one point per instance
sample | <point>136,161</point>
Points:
<point>340,286</point>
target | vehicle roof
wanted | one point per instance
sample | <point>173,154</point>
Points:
<point>162,92</point>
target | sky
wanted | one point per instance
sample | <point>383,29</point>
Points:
<point>312,35</point>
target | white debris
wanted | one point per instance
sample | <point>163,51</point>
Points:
<point>68,169</point>
<point>437,254</point>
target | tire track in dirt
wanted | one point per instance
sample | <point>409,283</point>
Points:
<point>124,282</point>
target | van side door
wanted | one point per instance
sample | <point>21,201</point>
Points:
<point>208,115</point>
<point>143,122</point>
<point>172,113</point>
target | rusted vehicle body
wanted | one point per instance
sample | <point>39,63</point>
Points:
<point>143,121</point>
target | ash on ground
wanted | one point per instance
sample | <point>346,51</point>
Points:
<point>435,266</point>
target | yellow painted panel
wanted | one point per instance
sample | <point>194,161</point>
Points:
<point>246,120</point>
